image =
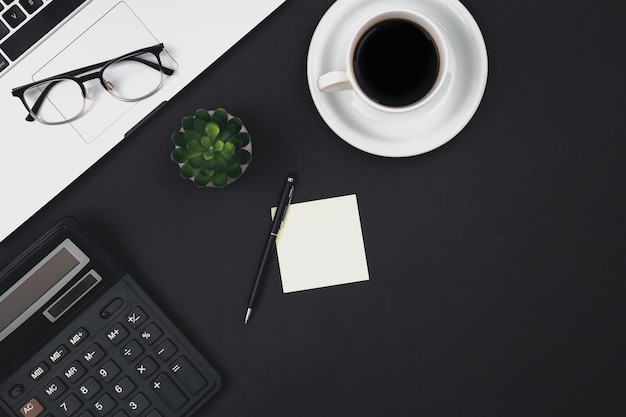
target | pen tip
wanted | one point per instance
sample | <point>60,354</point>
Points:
<point>248,313</point>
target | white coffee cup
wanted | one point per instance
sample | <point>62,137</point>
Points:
<point>414,46</point>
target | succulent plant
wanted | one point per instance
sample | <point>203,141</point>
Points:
<point>213,148</point>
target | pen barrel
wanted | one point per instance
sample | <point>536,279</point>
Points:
<point>264,259</point>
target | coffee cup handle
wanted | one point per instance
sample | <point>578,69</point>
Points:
<point>334,81</point>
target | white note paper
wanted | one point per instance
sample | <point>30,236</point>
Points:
<point>321,244</point>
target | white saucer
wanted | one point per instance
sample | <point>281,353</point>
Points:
<point>417,131</point>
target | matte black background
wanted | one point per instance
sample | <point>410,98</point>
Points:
<point>497,269</point>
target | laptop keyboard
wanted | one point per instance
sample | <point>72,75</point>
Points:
<point>25,22</point>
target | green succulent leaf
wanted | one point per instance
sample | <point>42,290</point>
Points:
<point>207,156</point>
<point>186,171</point>
<point>212,129</point>
<point>196,162</point>
<point>209,164</point>
<point>228,132</point>
<point>229,148</point>
<point>237,123</point>
<point>219,179</point>
<point>221,165</point>
<point>187,122</point>
<point>218,146</point>
<point>236,142</point>
<point>199,125</point>
<point>206,141</point>
<point>178,138</point>
<point>194,145</point>
<point>191,135</point>
<point>201,180</point>
<point>178,156</point>
<point>244,137</point>
<point>244,157</point>
<point>221,113</point>
<point>203,114</point>
<point>235,171</point>
<point>232,159</point>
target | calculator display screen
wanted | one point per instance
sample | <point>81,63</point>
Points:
<point>39,285</point>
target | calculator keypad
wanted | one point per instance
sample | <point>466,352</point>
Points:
<point>130,366</point>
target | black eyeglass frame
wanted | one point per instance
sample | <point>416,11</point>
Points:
<point>75,75</point>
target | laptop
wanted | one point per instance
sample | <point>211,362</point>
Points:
<point>44,38</point>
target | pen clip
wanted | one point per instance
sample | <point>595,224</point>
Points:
<point>282,221</point>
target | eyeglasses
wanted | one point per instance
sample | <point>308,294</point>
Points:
<point>63,98</point>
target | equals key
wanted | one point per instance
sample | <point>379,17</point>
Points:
<point>187,375</point>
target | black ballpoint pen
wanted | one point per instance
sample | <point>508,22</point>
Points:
<point>279,216</point>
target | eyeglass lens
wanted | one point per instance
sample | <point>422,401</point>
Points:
<point>129,79</point>
<point>133,78</point>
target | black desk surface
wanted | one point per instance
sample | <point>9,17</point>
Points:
<point>497,279</point>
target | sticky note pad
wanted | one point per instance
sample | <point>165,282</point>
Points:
<point>321,244</point>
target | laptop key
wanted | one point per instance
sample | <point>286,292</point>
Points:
<point>4,30</point>
<point>37,27</point>
<point>14,16</point>
<point>31,6</point>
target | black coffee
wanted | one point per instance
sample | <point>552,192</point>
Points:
<point>396,63</point>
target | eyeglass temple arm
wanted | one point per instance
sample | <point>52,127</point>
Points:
<point>153,65</point>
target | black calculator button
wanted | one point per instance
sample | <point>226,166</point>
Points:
<point>151,333</point>
<point>135,317</point>
<point>138,404</point>
<point>39,371</point>
<point>132,350</point>
<point>165,388</point>
<point>86,413</point>
<point>116,334</point>
<point>187,375</point>
<point>16,391</point>
<point>165,350</point>
<point>55,388</point>
<point>89,388</point>
<point>124,387</point>
<point>104,405</point>
<point>154,413</point>
<point>120,413</point>
<point>93,355</point>
<point>146,367</point>
<point>74,372</point>
<point>70,405</point>
<point>111,308</point>
<point>58,354</point>
<point>108,371</point>
<point>78,337</point>
<point>32,408</point>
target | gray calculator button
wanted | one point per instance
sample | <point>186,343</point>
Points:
<point>165,389</point>
<point>135,317</point>
<point>89,388</point>
<point>187,375</point>
<point>70,405</point>
<point>124,387</point>
<point>165,350</point>
<point>132,350</point>
<point>55,388</point>
<point>138,404</point>
<point>74,372</point>
<point>39,371</point>
<point>108,371</point>
<point>146,367</point>
<point>116,334</point>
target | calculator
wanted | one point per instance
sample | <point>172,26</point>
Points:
<point>79,337</point>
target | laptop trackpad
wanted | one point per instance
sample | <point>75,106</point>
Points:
<point>117,32</point>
